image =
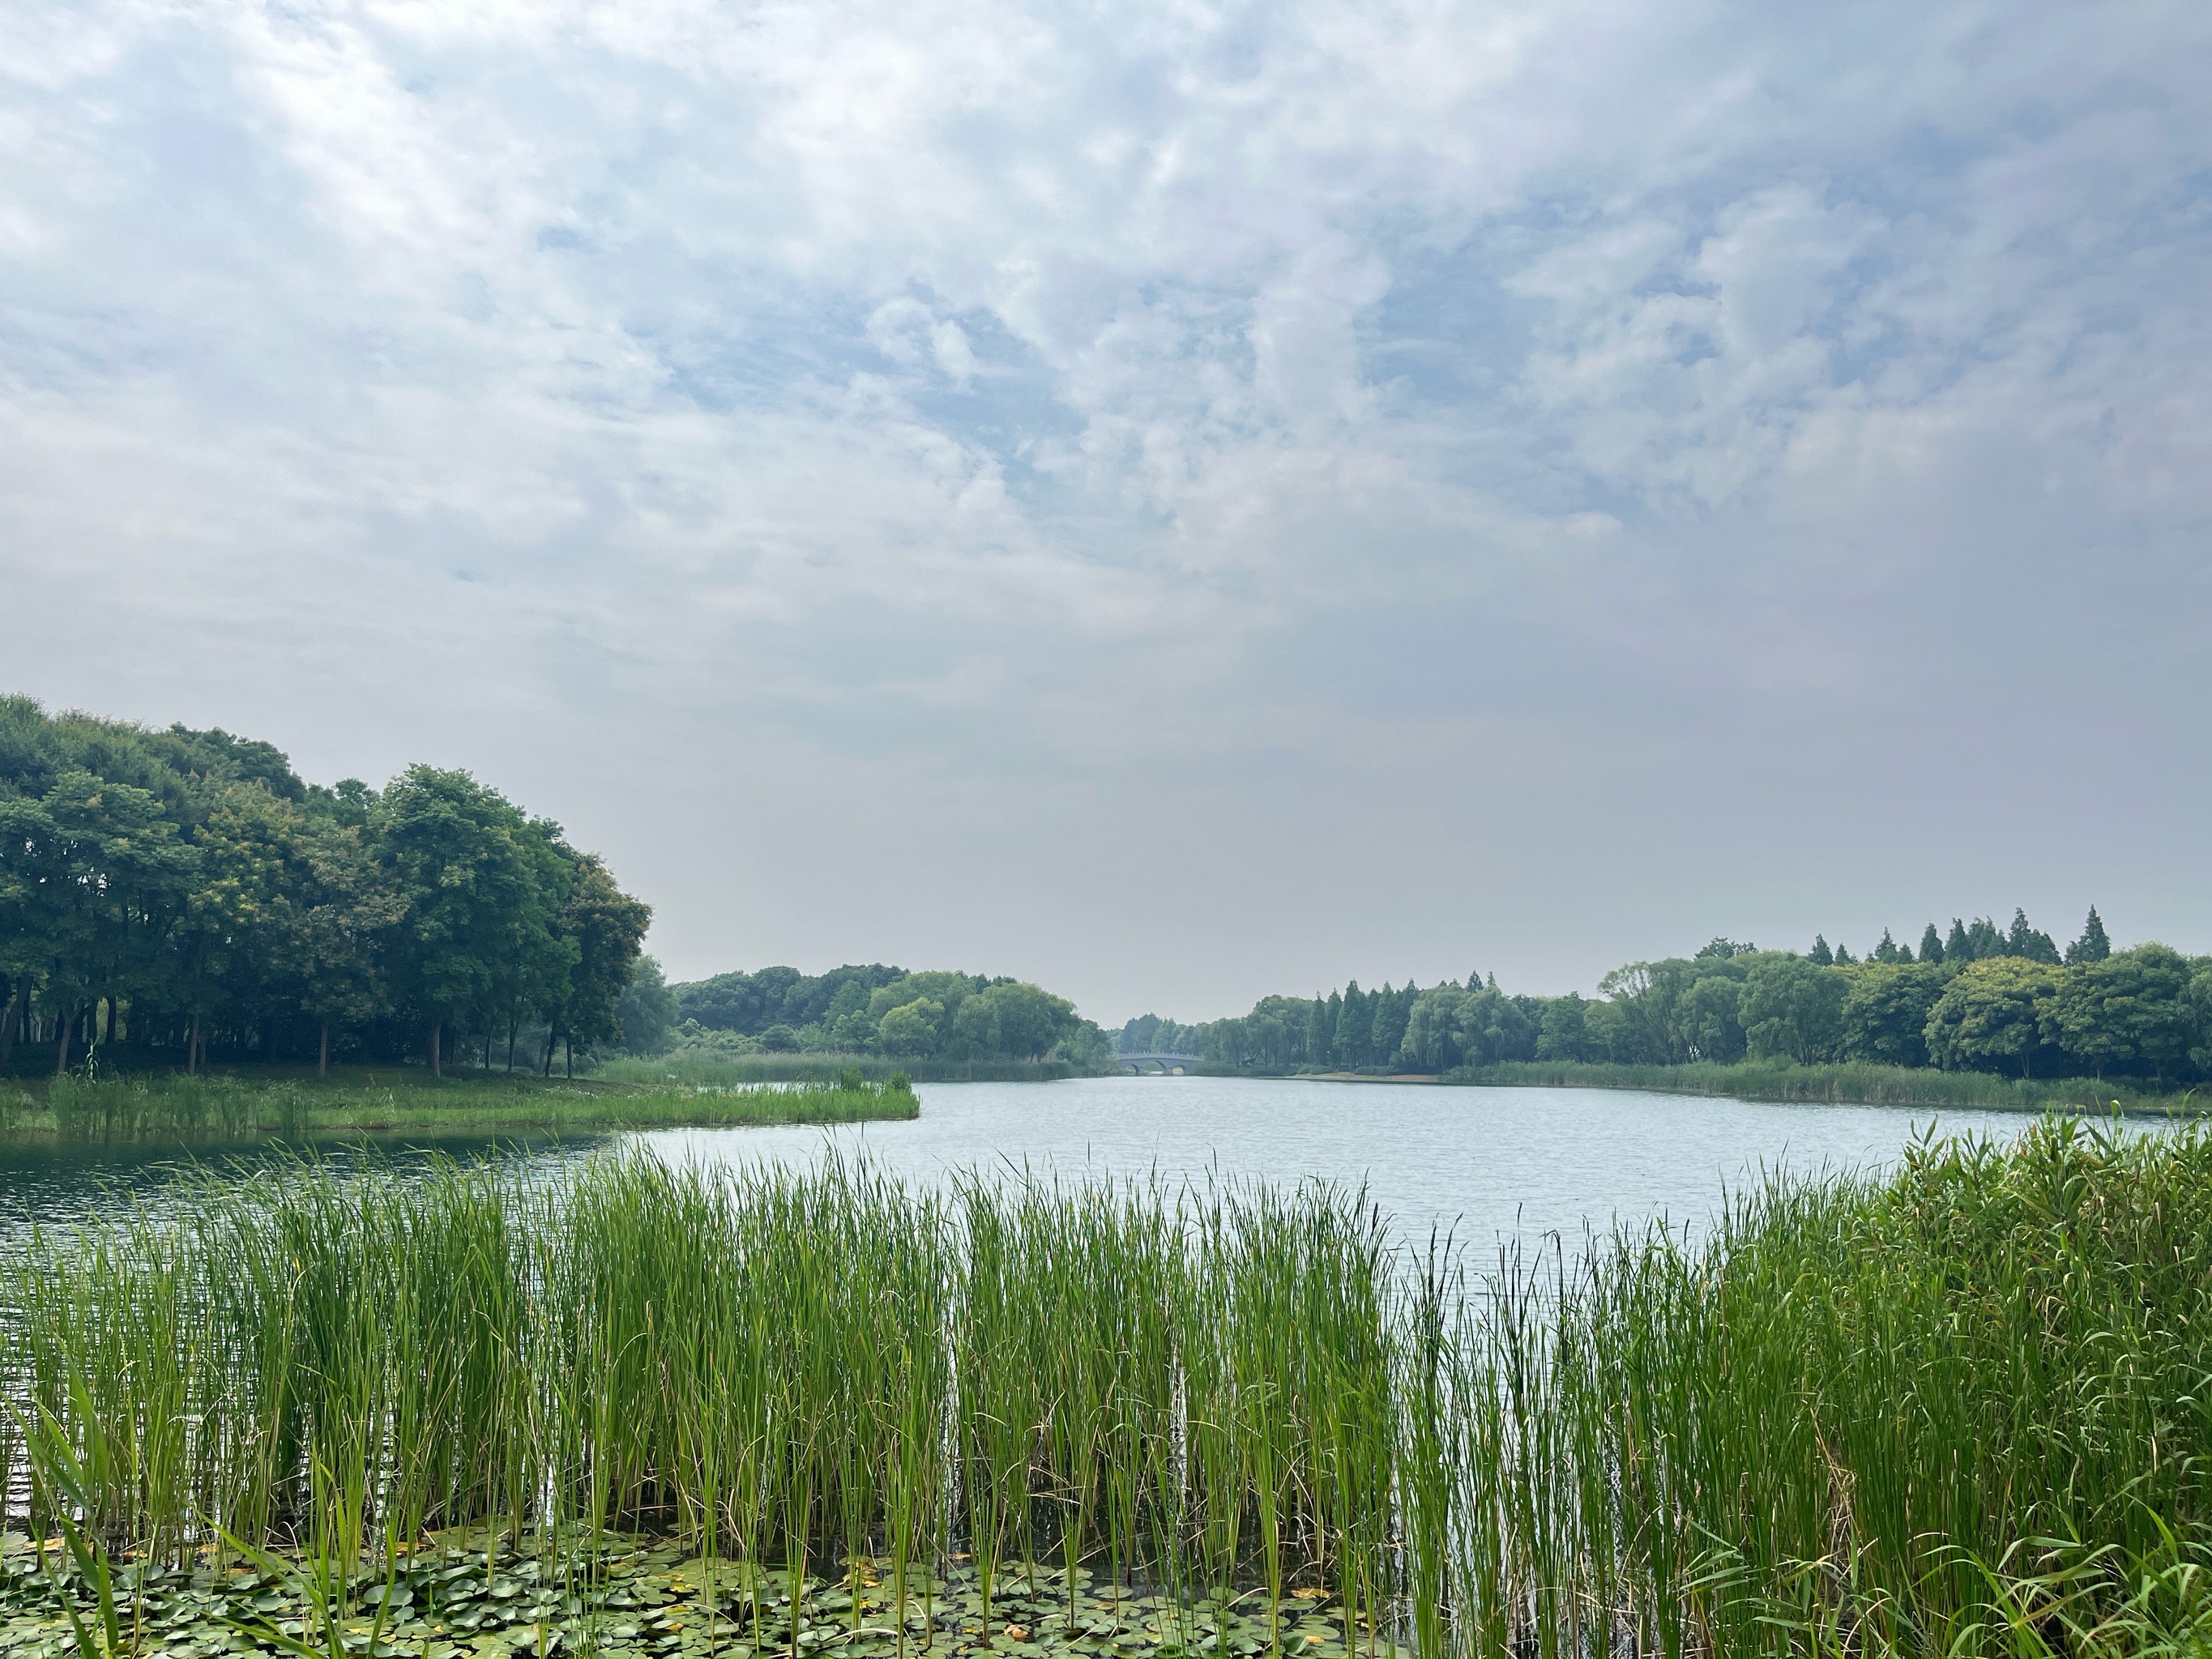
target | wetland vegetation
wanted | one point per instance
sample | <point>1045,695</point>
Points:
<point>636,1409</point>
<point>215,1109</point>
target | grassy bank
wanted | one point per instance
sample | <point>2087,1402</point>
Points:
<point>1958,1411</point>
<point>1854,1082</point>
<point>218,1109</point>
<point>707,1066</point>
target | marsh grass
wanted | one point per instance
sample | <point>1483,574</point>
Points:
<point>1961,1410</point>
<point>1854,1082</point>
<point>213,1110</point>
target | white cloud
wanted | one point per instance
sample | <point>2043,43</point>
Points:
<point>1152,372</point>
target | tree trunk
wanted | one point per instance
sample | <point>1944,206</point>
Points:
<point>323,1055</point>
<point>512,1022</point>
<point>434,1070</point>
<point>9,1020</point>
<point>109,1037</point>
<point>487,1063</point>
<point>61,1048</point>
<point>568,1048</point>
<point>546,1070</point>
<point>192,1047</point>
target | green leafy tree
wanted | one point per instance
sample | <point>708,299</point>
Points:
<point>1564,1031</point>
<point>1990,1016</point>
<point>1708,1019</point>
<point>1030,1022</point>
<point>1431,1042</point>
<point>1931,944</point>
<point>647,1011</point>
<point>1820,955</point>
<point>1884,1012</point>
<point>2128,1013</point>
<point>1792,1009</point>
<point>590,955</point>
<point>910,1030</point>
<point>468,865</point>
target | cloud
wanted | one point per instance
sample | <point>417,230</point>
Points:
<point>993,395</point>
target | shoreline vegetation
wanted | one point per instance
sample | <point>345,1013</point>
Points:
<point>212,1110</point>
<point>1955,1410</point>
<point>1988,1015</point>
<point>1840,1082</point>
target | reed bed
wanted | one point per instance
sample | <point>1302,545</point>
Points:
<point>218,1109</point>
<point>1965,1409</point>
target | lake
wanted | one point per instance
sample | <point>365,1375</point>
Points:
<point>1490,1162</point>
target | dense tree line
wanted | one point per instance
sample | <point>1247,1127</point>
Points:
<point>1978,998</point>
<point>879,1010</point>
<point>1148,1033</point>
<point>185,894</point>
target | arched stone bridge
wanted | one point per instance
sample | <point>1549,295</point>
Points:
<point>1167,1064</point>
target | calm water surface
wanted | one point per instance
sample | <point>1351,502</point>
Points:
<point>1490,1162</point>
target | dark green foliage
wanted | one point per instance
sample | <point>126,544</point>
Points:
<point>2093,945</point>
<point>164,895</point>
<point>1989,1000</point>
<point>929,1015</point>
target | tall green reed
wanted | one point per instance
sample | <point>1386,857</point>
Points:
<point>1926,1412</point>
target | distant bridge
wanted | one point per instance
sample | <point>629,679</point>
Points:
<point>1168,1064</point>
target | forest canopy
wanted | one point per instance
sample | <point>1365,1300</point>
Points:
<point>932,1014</point>
<point>1976,998</point>
<point>185,894</point>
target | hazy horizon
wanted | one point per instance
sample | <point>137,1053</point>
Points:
<point>1172,504</point>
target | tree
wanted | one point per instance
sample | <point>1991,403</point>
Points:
<point>2129,1012</point>
<point>1708,1019</point>
<point>1931,944</point>
<point>2027,942</point>
<point>1432,1026</point>
<point>592,957</point>
<point>1884,1012</point>
<point>1792,1009</point>
<point>1563,1032</point>
<point>1958,948</point>
<point>1990,1016</point>
<point>1030,1021</point>
<point>1491,1029</point>
<point>1352,1022</point>
<point>346,910</point>
<point>2093,945</point>
<point>1820,955</point>
<point>909,1031</point>
<point>465,861</point>
<point>646,1010</point>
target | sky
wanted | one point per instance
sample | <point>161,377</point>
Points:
<point>1174,500</point>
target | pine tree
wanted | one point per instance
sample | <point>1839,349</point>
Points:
<point>1931,944</point>
<point>1843,957</point>
<point>1821,954</point>
<point>1956,948</point>
<point>2029,942</point>
<point>2093,945</point>
<point>1353,1022</point>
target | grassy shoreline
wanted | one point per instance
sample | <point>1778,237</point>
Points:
<point>707,1066</point>
<point>221,1107</point>
<point>1846,1083</point>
